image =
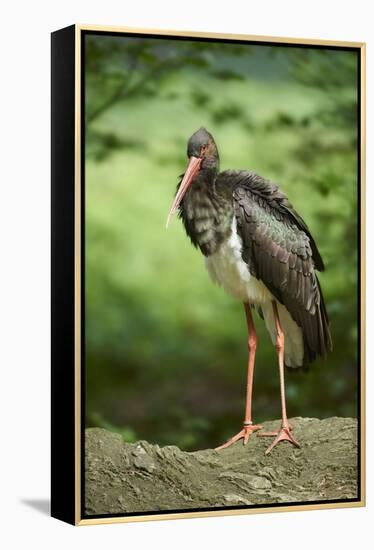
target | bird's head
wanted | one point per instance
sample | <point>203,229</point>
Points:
<point>202,155</point>
<point>201,145</point>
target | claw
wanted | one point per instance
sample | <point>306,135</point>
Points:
<point>244,434</point>
<point>284,434</point>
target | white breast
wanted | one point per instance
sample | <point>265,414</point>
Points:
<point>227,268</point>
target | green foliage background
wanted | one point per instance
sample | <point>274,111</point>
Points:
<point>166,349</point>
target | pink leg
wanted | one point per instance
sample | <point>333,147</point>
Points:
<point>284,433</point>
<point>248,426</point>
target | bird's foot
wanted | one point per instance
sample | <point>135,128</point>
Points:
<point>244,434</point>
<point>284,434</point>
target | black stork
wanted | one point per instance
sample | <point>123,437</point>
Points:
<point>262,253</point>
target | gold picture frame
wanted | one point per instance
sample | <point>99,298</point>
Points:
<point>67,490</point>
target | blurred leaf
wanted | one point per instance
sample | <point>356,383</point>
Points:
<point>226,74</point>
<point>100,144</point>
<point>199,98</point>
<point>227,113</point>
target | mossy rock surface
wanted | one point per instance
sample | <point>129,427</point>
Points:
<point>141,477</point>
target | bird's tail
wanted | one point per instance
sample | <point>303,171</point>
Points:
<point>307,336</point>
<point>293,336</point>
<point>318,342</point>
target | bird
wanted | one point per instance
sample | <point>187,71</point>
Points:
<point>261,252</point>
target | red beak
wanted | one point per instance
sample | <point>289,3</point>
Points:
<point>192,169</point>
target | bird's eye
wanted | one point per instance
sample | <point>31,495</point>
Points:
<point>203,149</point>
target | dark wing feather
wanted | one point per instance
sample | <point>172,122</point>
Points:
<point>280,251</point>
<point>288,209</point>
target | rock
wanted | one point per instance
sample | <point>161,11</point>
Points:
<point>123,477</point>
<point>254,482</point>
<point>235,500</point>
<point>142,460</point>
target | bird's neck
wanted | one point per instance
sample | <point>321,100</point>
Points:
<point>207,175</point>
<point>209,168</point>
<point>206,212</point>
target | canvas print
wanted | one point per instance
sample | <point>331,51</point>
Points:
<point>221,274</point>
